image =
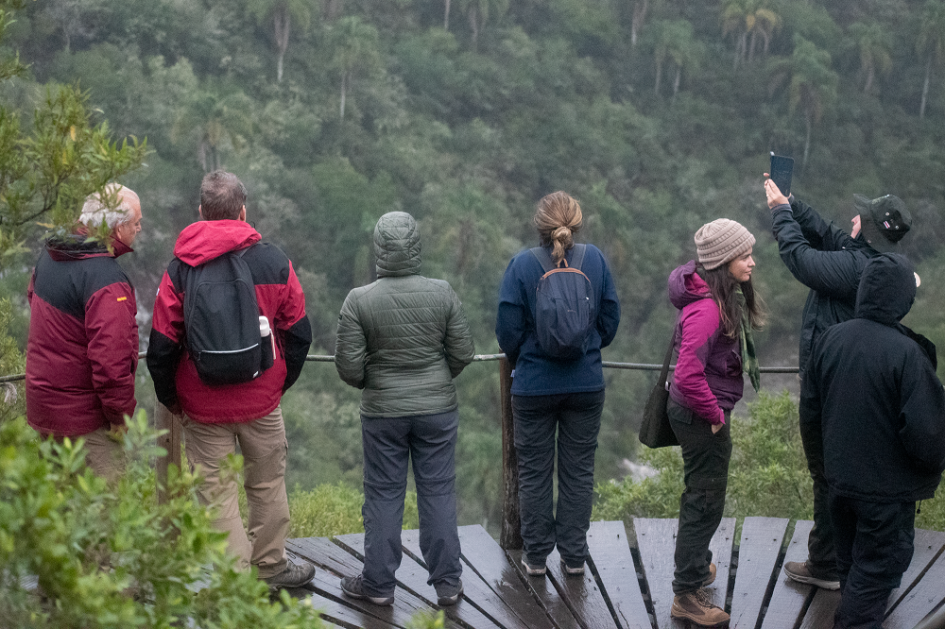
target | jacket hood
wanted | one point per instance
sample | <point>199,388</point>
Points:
<point>397,245</point>
<point>77,246</point>
<point>887,289</point>
<point>685,286</point>
<point>203,241</point>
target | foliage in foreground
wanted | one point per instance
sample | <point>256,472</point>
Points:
<point>163,564</point>
<point>331,510</point>
<point>767,477</point>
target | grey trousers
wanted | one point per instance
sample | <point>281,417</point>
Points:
<point>389,442</point>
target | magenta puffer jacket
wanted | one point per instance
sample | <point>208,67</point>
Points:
<point>708,376</point>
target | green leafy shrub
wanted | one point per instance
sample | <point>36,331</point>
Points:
<point>331,510</point>
<point>107,559</point>
<point>767,477</point>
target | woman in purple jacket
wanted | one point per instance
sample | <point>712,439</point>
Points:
<point>718,309</point>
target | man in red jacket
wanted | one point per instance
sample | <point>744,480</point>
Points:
<point>216,416</point>
<point>82,349</point>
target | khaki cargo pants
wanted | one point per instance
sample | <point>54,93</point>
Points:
<point>264,448</point>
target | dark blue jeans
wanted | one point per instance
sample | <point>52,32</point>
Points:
<point>705,463</point>
<point>576,419</point>
<point>430,440</point>
<point>875,542</point>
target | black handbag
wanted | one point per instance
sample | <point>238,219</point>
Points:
<point>655,431</point>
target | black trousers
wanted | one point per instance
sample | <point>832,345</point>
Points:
<point>875,542</point>
<point>821,550</point>
<point>705,459</point>
<point>575,418</point>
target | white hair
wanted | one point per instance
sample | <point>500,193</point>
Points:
<point>94,211</point>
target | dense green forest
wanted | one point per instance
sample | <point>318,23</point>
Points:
<point>658,115</point>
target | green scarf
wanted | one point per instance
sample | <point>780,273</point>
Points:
<point>749,359</point>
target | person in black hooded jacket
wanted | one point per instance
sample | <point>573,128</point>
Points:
<point>872,389</point>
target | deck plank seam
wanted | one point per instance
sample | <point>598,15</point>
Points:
<point>603,591</point>
<point>905,593</point>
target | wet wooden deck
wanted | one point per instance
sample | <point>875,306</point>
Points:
<point>627,584</point>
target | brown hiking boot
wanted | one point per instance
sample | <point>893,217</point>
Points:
<point>695,606</point>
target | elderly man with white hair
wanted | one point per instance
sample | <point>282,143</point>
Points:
<point>82,350</point>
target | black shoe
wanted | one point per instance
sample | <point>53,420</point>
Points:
<point>294,576</point>
<point>533,570</point>
<point>572,571</point>
<point>354,588</point>
<point>800,572</point>
<point>448,594</point>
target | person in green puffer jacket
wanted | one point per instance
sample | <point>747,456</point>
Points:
<point>401,340</point>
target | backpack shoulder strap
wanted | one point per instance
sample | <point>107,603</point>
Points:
<point>544,258</point>
<point>577,259</point>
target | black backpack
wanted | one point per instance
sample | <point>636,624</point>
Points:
<point>221,320</point>
<point>565,306</point>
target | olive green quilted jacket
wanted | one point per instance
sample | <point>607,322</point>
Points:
<point>403,338</point>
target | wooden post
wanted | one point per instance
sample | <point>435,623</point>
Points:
<point>170,441</point>
<point>511,522</point>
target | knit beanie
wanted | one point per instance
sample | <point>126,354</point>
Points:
<point>722,241</point>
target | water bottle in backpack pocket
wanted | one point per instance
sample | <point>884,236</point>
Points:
<point>565,308</point>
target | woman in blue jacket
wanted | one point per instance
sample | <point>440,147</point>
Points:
<point>552,395</point>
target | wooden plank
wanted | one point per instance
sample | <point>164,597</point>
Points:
<point>413,576</point>
<point>790,598</point>
<point>543,588</point>
<point>582,595</point>
<point>928,546</point>
<point>479,593</point>
<point>340,563</point>
<point>337,614</point>
<point>656,540</point>
<point>927,594</point>
<point>821,610</point>
<point>487,559</point>
<point>722,545</point>
<point>613,563</point>
<point>758,553</point>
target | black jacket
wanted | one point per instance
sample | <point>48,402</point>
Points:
<point>827,260</point>
<point>874,390</point>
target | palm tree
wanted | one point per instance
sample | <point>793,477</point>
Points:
<point>674,42</point>
<point>931,44</point>
<point>213,118</point>
<point>478,12</point>
<point>354,46</point>
<point>280,14</point>
<point>812,84</point>
<point>640,8</point>
<point>874,46</point>
<point>749,19</point>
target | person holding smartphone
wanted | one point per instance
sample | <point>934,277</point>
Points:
<point>830,263</point>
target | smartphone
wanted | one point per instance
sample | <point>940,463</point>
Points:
<point>782,169</point>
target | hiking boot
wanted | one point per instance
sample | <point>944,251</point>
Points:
<point>697,607</point>
<point>800,572</point>
<point>294,576</point>
<point>533,571</point>
<point>570,571</point>
<point>711,578</point>
<point>354,587</point>
<point>448,594</point>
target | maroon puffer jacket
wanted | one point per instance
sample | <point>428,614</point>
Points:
<point>82,350</point>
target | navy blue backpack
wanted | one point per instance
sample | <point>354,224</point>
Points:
<point>565,306</point>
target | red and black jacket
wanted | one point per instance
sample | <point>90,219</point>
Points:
<point>280,299</point>
<point>82,350</point>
